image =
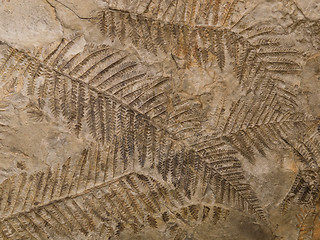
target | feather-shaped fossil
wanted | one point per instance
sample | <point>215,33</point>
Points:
<point>257,123</point>
<point>127,120</point>
<point>306,186</point>
<point>158,161</point>
<point>84,195</point>
<point>200,33</point>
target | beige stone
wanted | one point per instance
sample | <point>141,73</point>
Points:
<point>147,119</point>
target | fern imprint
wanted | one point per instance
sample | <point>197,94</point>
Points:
<point>85,194</point>
<point>200,34</point>
<point>110,120</point>
<point>159,119</point>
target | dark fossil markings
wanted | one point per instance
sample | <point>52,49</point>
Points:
<point>199,39</point>
<point>141,130</point>
<point>137,138</point>
<point>84,195</point>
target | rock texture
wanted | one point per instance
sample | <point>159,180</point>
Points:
<point>160,119</point>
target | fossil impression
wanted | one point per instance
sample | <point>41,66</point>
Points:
<point>159,119</point>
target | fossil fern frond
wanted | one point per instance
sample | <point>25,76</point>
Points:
<point>134,120</point>
<point>306,186</point>
<point>253,53</point>
<point>256,123</point>
<point>212,12</point>
<point>306,223</point>
<point>81,195</point>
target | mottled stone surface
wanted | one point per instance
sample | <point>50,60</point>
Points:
<point>160,119</point>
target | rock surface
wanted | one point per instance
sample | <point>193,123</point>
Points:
<point>148,119</point>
